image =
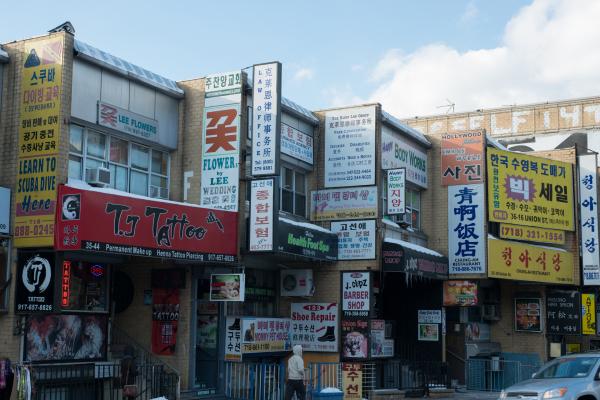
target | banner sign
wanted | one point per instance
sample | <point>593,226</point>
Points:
<point>39,138</point>
<point>165,317</point>
<point>530,191</point>
<point>356,294</point>
<point>528,315</point>
<point>219,181</point>
<point>399,256</point>
<point>397,152</point>
<point>306,240</point>
<point>266,119</point>
<point>315,326</point>
<point>563,310</point>
<point>34,289</point>
<point>462,158</point>
<point>102,221</point>
<point>588,209</point>
<point>352,378</point>
<point>296,144</point>
<point>350,147</point>
<point>396,186</point>
<point>266,335</point>
<point>356,239</point>
<point>262,215</point>
<point>4,211</point>
<point>588,314</point>
<point>460,293</point>
<point>466,229</point>
<point>233,339</point>
<point>355,338</point>
<point>532,234</point>
<point>526,262</point>
<point>227,287</point>
<point>429,316</point>
<point>126,121</point>
<point>352,203</point>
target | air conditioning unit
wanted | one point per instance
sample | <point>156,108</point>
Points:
<point>297,282</point>
<point>159,192</point>
<point>97,176</point>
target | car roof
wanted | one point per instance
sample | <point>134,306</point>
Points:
<point>581,355</point>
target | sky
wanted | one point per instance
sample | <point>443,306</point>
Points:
<point>413,57</point>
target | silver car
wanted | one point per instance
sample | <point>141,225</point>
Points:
<point>572,377</point>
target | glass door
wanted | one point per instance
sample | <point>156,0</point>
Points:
<point>207,318</point>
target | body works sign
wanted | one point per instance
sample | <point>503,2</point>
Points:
<point>98,221</point>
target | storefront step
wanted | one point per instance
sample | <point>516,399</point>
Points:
<point>193,395</point>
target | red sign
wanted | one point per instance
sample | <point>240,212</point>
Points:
<point>165,316</point>
<point>96,220</point>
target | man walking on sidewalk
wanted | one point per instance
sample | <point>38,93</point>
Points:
<point>295,381</point>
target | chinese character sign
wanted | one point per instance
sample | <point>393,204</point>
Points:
<point>39,136</point>
<point>530,191</point>
<point>266,97</point>
<point>262,215</point>
<point>588,201</point>
<point>315,326</point>
<point>395,191</point>
<point>588,314</point>
<point>356,239</point>
<point>466,231</point>
<point>296,144</point>
<point>462,158</point>
<point>563,310</point>
<point>352,381</point>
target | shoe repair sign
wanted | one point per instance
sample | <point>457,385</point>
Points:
<point>315,326</point>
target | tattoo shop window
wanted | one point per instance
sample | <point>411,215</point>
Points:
<point>4,274</point>
<point>84,286</point>
<point>293,192</point>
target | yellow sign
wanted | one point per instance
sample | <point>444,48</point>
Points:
<point>572,348</point>
<point>530,191</point>
<point>532,234</point>
<point>352,381</point>
<point>526,262</point>
<point>39,137</point>
<point>588,311</point>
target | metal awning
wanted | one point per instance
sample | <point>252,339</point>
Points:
<point>3,56</point>
<point>405,128</point>
<point>410,258</point>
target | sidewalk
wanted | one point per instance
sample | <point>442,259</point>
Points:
<point>473,395</point>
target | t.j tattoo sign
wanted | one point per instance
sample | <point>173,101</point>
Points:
<point>95,220</point>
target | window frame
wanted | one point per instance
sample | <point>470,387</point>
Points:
<point>408,197</point>
<point>293,191</point>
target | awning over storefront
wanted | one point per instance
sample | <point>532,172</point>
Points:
<point>307,240</point>
<point>410,258</point>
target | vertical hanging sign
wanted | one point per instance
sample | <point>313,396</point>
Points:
<point>266,119</point>
<point>262,215</point>
<point>396,182</point>
<point>588,203</point>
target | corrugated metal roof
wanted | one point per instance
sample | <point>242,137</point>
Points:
<point>3,55</point>
<point>410,131</point>
<point>298,110</point>
<point>123,67</point>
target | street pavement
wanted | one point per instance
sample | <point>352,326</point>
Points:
<point>472,395</point>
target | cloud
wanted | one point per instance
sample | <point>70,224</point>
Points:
<point>340,97</point>
<point>304,74</point>
<point>470,13</point>
<point>548,52</point>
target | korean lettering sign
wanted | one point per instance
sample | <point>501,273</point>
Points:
<point>462,158</point>
<point>266,114</point>
<point>397,152</point>
<point>350,147</point>
<point>351,203</point>
<point>352,381</point>
<point>39,137</point>
<point>265,335</point>
<point>563,310</point>
<point>588,314</point>
<point>223,84</point>
<point>526,262</point>
<point>262,215</point>
<point>466,231</point>
<point>296,144</point>
<point>356,294</point>
<point>315,326</point>
<point>396,191</point>
<point>588,202</point>
<point>531,191</point>
<point>233,339</point>
<point>356,239</point>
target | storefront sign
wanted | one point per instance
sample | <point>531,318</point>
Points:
<point>355,338</point>
<point>528,315</point>
<point>356,239</point>
<point>356,294</point>
<point>39,138</point>
<point>296,144</point>
<point>397,152</point>
<point>335,204</point>
<point>460,293</point>
<point>429,316</point>
<point>266,117</point>
<point>219,181</point>
<point>588,314</point>
<point>34,291</point>
<point>400,256</point>
<point>380,346</point>
<point>315,326</point>
<point>101,221</point>
<point>532,234</point>
<point>266,335</point>
<point>350,147</point>
<point>462,158</point>
<point>165,317</point>
<point>352,381</point>
<point>588,209</point>
<point>526,262</point>
<point>126,121</point>
<point>233,339</point>
<point>227,287</point>
<point>396,191</point>
<point>262,215</point>
<point>530,191</point>
<point>466,230</point>
<point>4,211</point>
<point>428,332</point>
<point>563,310</point>
<point>306,240</point>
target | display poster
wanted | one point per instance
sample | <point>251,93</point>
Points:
<point>306,240</point>
<point>528,314</point>
<point>356,294</point>
<point>397,152</point>
<point>233,339</point>
<point>477,332</point>
<point>563,311</point>
<point>532,234</point>
<point>262,215</point>
<point>466,229</point>
<point>463,158</point>
<point>351,203</point>
<point>38,142</point>
<point>460,293</point>
<point>266,335</point>
<point>380,346</point>
<point>34,288</point>
<point>219,182</point>
<point>355,338</point>
<point>396,189</point>
<point>165,317</point>
<point>356,239</point>
<point>266,119</point>
<point>526,262</point>
<point>207,329</point>
<point>4,211</point>
<point>429,316</point>
<point>588,314</point>
<point>227,287</point>
<point>125,121</point>
<point>296,144</point>
<point>588,211</point>
<point>429,332</point>
<point>530,191</point>
<point>315,326</point>
<point>352,377</point>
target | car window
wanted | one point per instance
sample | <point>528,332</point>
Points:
<point>576,367</point>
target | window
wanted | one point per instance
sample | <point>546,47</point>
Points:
<point>260,295</point>
<point>292,196</point>
<point>84,286</point>
<point>412,199</point>
<point>4,274</point>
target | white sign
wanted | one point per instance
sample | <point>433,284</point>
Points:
<point>233,339</point>
<point>296,144</point>
<point>221,142</point>
<point>266,335</point>
<point>125,121</point>
<point>352,203</point>
<point>356,239</point>
<point>315,326</point>
<point>429,316</point>
<point>588,206</point>
<point>266,98</point>
<point>356,294</point>
<point>397,152</point>
<point>350,147</point>
<point>466,234</point>
<point>4,211</point>
<point>396,191</point>
<point>262,215</point>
